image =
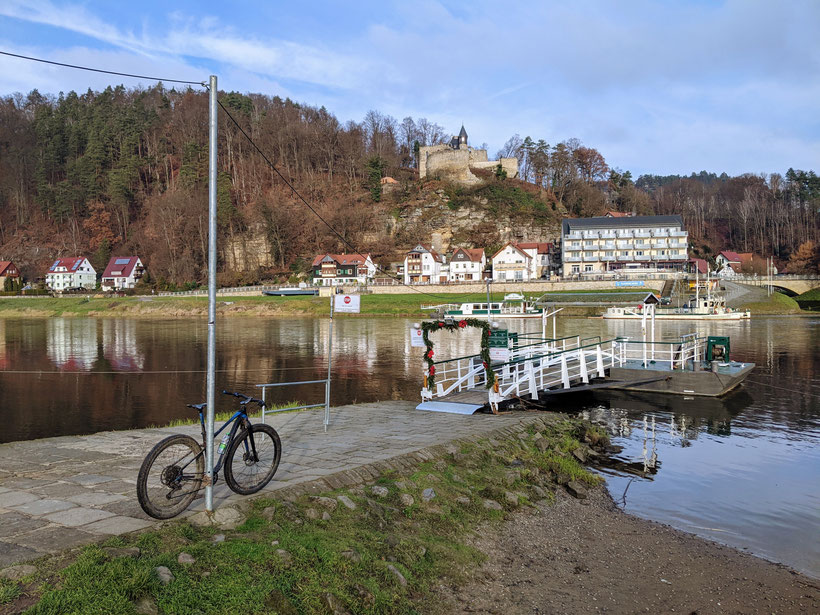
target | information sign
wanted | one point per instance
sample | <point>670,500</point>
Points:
<point>416,338</point>
<point>628,283</point>
<point>499,338</point>
<point>500,354</point>
<point>347,304</point>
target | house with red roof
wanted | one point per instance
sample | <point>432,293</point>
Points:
<point>122,272</point>
<point>71,273</point>
<point>698,265</point>
<point>543,257</point>
<point>8,270</point>
<point>337,269</point>
<point>424,265</point>
<point>511,264</point>
<point>467,265</point>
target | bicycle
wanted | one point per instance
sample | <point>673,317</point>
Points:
<point>173,472</point>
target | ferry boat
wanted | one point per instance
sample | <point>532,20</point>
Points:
<point>713,308</point>
<point>514,305</point>
<point>291,292</point>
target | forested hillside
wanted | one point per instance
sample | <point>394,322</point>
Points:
<point>125,171</point>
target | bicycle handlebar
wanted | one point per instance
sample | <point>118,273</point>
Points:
<point>247,398</point>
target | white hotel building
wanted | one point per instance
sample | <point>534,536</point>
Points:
<point>633,244</point>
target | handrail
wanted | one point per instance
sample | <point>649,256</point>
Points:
<point>551,354</point>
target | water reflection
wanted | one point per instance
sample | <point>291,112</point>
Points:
<point>71,344</point>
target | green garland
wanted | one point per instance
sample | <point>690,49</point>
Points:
<point>455,325</point>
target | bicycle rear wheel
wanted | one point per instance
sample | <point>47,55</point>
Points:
<point>246,473</point>
<point>170,476</point>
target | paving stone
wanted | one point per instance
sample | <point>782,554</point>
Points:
<point>26,483</point>
<point>13,522</point>
<point>127,507</point>
<point>38,508</point>
<point>15,573</point>
<point>75,517</point>
<point>91,479</point>
<point>13,553</point>
<point>95,498</point>
<point>15,498</point>
<point>54,538</point>
<point>116,525</point>
<point>58,490</point>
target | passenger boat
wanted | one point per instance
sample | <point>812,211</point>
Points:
<point>697,308</point>
<point>290,292</point>
<point>514,305</point>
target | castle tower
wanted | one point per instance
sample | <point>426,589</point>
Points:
<point>462,137</point>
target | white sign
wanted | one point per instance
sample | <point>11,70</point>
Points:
<point>417,338</point>
<point>500,354</point>
<point>348,304</point>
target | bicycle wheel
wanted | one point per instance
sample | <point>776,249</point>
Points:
<point>245,473</point>
<point>170,476</point>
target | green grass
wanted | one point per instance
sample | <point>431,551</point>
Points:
<point>9,591</point>
<point>778,303</point>
<point>809,300</point>
<point>428,543</point>
<point>407,304</point>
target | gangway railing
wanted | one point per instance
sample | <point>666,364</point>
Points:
<point>676,354</point>
<point>326,403</point>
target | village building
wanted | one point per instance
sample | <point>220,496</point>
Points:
<point>71,273</point>
<point>622,245</point>
<point>423,265</point>
<point>8,271</point>
<point>467,265</point>
<point>512,264</point>
<point>699,266</point>
<point>542,255</point>
<point>453,161</point>
<point>340,269</point>
<point>122,272</point>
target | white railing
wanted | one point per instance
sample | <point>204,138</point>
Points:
<point>675,354</point>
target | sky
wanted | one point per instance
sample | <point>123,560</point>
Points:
<point>656,86</point>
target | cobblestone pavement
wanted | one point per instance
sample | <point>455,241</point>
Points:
<point>58,493</point>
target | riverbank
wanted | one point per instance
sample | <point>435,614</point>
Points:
<point>483,524</point>
<point>406,305</point>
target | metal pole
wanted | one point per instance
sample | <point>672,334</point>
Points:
<point>329,363</point>
<point>210,397</point>
<point>488,300</point>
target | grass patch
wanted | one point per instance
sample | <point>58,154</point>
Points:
<point>9,591</point>
<point>809,300</point>
<point>303,556</point>
<point>777,303</point>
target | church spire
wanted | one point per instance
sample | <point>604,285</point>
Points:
<point>462,136</point>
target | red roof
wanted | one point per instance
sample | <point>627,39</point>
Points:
<point>514,246</point>
<point>120,266</point>
<point>702,265</point>
<point>342,259</point>
<point>5,265</point>
<point>474,254</point>
<point>617,214</point>
<point>541,247</point>
<point>432,252</point>
<point>71,264</point>
<point>732,257</point>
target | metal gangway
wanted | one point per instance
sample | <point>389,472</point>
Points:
<point>534,365</point>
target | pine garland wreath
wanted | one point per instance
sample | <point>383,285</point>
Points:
<point>455,325</point>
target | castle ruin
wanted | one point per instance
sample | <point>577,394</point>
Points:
<point>452,161</point>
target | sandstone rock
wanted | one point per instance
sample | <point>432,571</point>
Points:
<point>284,556</point>
<point>269,513</point>
<point>580,455</point>
<point>15,573</point>
<point>327,503</point>
<point>112,552</point>
<point>406,499</point>
<point>399,576</point>
<point>511,498</point>
<point>457,478</point>
<point>542,444</point>
<point>277,602</point>
<point>562,479</point>
<point>227,518</point>
<point>186,558</point>
<point>325,516</point>
<point>379,491</point>
<point>352,555</point>
<point>428,494</point>
<point>347,502</point>
<point>541,493</point>
<point>576,489</point>
<point>146,606</point>
<point>164,574</point>
<point>333,605</point>
<point>274,543</point>
<point>367,598</point>
<point>464,501</point>
<point>218,538</point>
<point>312,513</point>
<point>492,505</point>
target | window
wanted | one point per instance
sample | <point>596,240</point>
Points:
<point>610,253</point>
<point>576,244</point>
<point>576,269</point>
<point>638,252</point>
<point>588,268</point>
<point>589,243</point>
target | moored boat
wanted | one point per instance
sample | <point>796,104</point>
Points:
<point>514,305</point>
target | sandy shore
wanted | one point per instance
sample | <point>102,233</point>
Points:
<point>587,556</point>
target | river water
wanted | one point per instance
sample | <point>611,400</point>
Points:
<point>743,470</point>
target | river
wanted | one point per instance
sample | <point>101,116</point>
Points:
<point>742,470</point>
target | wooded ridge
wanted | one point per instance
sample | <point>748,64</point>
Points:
<point>124,171</point>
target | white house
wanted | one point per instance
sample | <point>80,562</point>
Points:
<point>337,269</point>
<point>540,254</point>
<point>122,272</point>
<point>423,265</point>
<point>74,272</point>
<point>512,264</point>
<point>467,264</point>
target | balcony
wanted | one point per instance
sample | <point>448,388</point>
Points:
<point>572,259</point>
<point>624,234</point>
<point>661,243</point>
<point>592,247</point>
<point>608,245</point>
<point>590,234</point>
<point>625,259</point>
<point>642,257</point>
<point>660,232</point>
<point>590,257</point>
<point>643,234</point>
<point>678,233</point>
<point>609,258</point>
<point>677,244</point>
<point>624,244</point>
<point>574,235</point>
<point>607,234</point>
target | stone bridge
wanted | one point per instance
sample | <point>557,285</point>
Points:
<point>792,284</point>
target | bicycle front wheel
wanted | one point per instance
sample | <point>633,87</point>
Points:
<point>170,476</point>
<point>252,459</point>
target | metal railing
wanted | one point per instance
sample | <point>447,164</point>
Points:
<point>326,403</point>
<point>676,354</point>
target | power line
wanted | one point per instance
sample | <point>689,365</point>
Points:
<point>325,222</point>
<point>100,70</point>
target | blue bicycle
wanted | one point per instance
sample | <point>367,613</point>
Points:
<point>174,471</point>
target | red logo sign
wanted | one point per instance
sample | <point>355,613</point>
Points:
<point>347,299</point>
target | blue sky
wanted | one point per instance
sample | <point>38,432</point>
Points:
<point>656,86</point>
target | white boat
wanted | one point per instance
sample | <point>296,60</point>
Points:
<point>697,308</point>
<point>514,305</point>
